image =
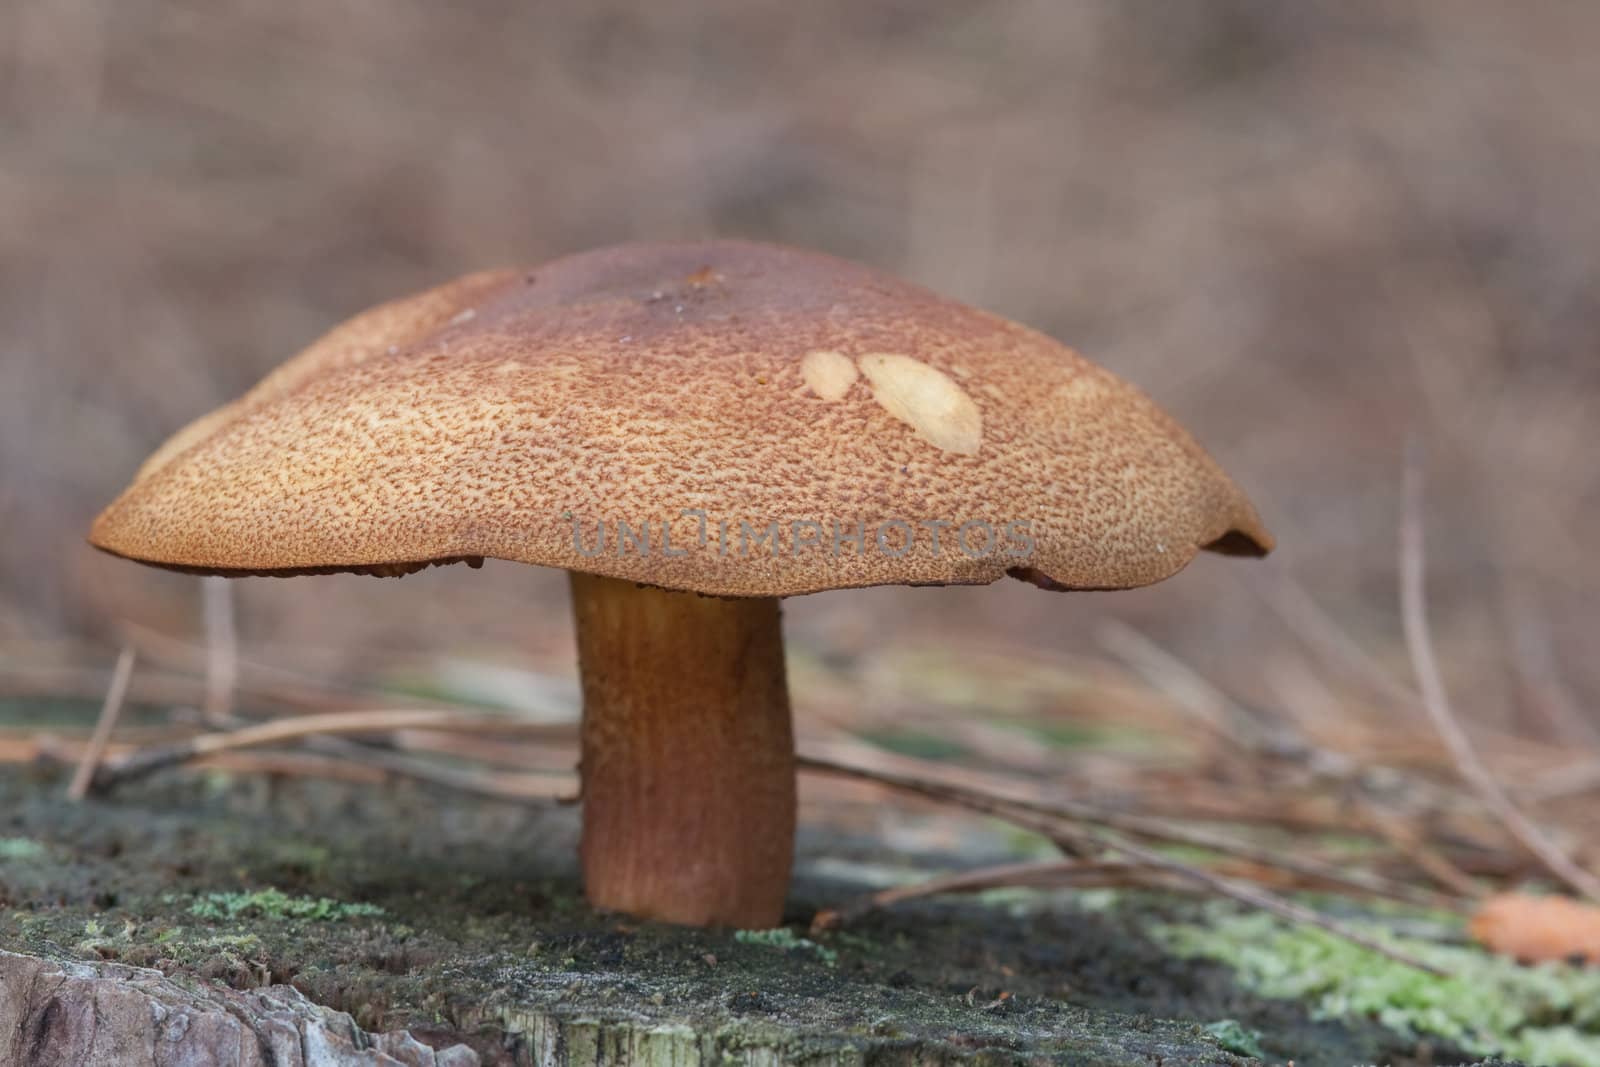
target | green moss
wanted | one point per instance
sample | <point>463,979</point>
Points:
<point>865,946</point>
<point>98,939</point>
<point>1236,1038</point>
<point>1489,1005</point>
<point>784,938</point>
<point>20,849</point>
<point>276,904</point>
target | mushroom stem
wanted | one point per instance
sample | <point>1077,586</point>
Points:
<point>688,754</point>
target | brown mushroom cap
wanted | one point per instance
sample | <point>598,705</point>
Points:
<point>508,414</point>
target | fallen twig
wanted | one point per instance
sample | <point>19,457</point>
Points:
<point>1436,699</point>
<point>1409,843</point>
<point>1562,782</point>
<point>1052,874</point>
<point>496,785</point>
<point>1158,829</point>
<point>222,650</point>
<point>149,760</point>
<point>1189,691</point>
<point>284,685</point>
<point>1078,837</point>
<point>84,776</point>
<point>1271,903</point>
<point>1328,640</point>
<point>54,750</point>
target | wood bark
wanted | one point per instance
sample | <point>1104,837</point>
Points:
<point>67,1013</point>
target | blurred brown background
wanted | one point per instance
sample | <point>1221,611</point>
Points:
<point>1310,230</point>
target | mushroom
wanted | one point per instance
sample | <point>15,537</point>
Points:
<point>694,431</point>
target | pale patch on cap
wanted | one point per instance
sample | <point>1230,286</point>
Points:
<point>926,399</point>
<point>829,374</point>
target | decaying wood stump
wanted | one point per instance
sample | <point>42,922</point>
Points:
<point>201,919</point>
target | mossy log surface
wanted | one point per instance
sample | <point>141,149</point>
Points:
<point>206,920</point>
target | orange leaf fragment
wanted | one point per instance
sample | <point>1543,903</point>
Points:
<point>1534,929</point>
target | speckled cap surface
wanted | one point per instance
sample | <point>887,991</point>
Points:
<point>730,418</point>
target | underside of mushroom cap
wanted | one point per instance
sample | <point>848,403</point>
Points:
<point>730,418</point>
